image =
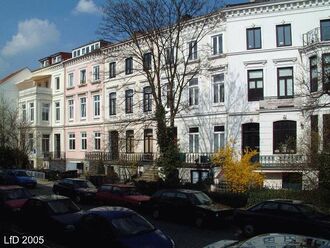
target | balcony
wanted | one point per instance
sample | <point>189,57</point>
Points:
<point>283,161</point>
<point>49,156</point>
<point>273,102</point>
<point>35,90</point>
<point>313,38</point>
<point>188,159</point>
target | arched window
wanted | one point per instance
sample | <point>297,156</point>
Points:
<point>284,137</point>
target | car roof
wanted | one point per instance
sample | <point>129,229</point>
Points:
<point>111,212</point>
<point>47,198</point>
<point>119,185</point>
<point>187,191</point>
<point>291,201</point>
<point>74,179</point>
<point>8,187</point>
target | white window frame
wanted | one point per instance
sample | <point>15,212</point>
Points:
<point>97,105</point>
<point>193,92</point>
<point>97,141</point>
<point>57,83</point>
<point>83,136</point>
<point>57,111</point>
<point>70,109</point>
<point>70,80</point>
<point>45,109</point>
<point>217,88</point>
<point>193,140</point>
<point>31,111</point>
<point>219,137</point>
<point>24,116</point>
<point>96,73</point>
<point>83,111</point>
<point>83,76</point>
<point>219,45</point>
<point>72,141</point>
<point>192,50</point>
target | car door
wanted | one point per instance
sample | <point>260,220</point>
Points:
<point>183,206</point>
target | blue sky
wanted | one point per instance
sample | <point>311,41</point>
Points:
<point>33,29</point>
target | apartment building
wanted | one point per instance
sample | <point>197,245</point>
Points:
<point>252,92</point>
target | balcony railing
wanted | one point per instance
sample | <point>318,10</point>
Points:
<point>292,161</point>
<point>54,155</point>
<point>314,36</point>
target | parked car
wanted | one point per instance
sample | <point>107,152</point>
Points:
<point>12,198</point>
<point>188,205</point>
<point>75,188</point>
<point>289,216</point>
<point>119,227</point>
<point>50,215</point>
<point>121,195</point>
<point>20,177</point>
<point>274,240</point>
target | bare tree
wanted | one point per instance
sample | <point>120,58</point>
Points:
<point>157,32</point>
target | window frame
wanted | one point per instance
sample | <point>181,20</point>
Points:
<point>147,99</point>
<point>193,92</point>
<point>129,101</point>
<point>57,111</point>
<point>147,61</point>
<point>313,80</point>
<point>72,141</point>
<point>286,78</point>
<point>283,35</point>
<point>71,109</point>
<point>219,44</point>
<point>324,65</point>
<point>129,66</point>
<point>192,50</point>
<point>97,141</point>
<point>70,80</point>
<point>96,106</point>
<point>129,141</point>
<point>112,103</point>
<point>83,76</point>
<point>57,83</point>
<point>254,29</point>
<point>45,114</point>
<point>282,129</point>
<point>194,137</point>
<point>96,73</point>
<point>83,107</point>
<point>148,140</point>
<point>321,30</point>
<point>220,133</point>
<point>218,88</point>
<point>83,139</point>
<point>255,94</point>
<point>112,69</point>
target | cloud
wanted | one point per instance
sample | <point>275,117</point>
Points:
<point>86,7</point>
<point>31,34</point>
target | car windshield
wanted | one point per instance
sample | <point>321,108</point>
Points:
<point>15,194</point>
<point>21,174</point>
<point>83,184</point>
<point>201,199</point>
<point>132,225</point>
<point>64,206</point>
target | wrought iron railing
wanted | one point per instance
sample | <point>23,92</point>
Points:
<point>283,160</point>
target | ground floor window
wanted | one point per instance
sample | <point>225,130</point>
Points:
<point>197,176</point>
<point>292,181</point>
<point>284,137</point>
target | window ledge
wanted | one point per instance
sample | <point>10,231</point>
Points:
<point>82,85</point>
<point>96,82</point>
<point>217,56</point>
<point>221,104</point>
<point>83,119</point>
<point>193,61</point>
<point>69,88</point>
<point>97,117</point>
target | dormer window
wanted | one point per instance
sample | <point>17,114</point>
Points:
<point>92,48</point>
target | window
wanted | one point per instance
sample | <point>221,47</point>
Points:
<point>148,141</point>
<point>168,95</point>
<point>96,100</point>
<point>193,92</point>
<point>83,76</point>
<point>325,30</point>
<point>218,88</point>
<point>97,141</point>
<point>326,71</point>
<point>71,109</point>
<point>31,142</point>
<point>283,35</point>
<point>112,103</point>
<point>169,55</point>
<point>45,112</point>
<point>129,141</point>
<point>129,101</point>
<point>31,111</point>
<point>313,74</point>
<point>83,51</point>
<point>147,99</point>
<point>219,137</point>
<point>193,140</point>
<point>87,49</point>
<point>217,44</point>
<point>253,38</point>
<point>57,111</point>
<point>192,46</point>
<point>326,133</point>
<point>45,143</point>
<point>57,83</point>
<point>112,70</point>
<point>70,80</point>
<point>314,134</point>
<point>147,61</point>
<point>24,112</point>
<point>72,141</point>
<point>83,141</point>
<point>255,85</point>
<point>284,137</point>
<point>285,82</point>
<point>96,73</point>
<point>129,65</point>
<point>83,107</point>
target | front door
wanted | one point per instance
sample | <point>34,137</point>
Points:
<point>113,144</point>
<point>57,139</point>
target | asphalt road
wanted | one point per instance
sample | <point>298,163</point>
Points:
<point>184,236</point>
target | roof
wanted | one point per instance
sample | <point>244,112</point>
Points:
<point>111,212</point>
<point>47,198</point>
<point>10,75</point>
<point>9,187</point>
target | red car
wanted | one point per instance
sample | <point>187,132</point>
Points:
<point>121,195</point>
<point>12,198</point>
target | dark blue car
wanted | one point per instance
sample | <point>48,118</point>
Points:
<point>119,227</point>
<point>20,177</point>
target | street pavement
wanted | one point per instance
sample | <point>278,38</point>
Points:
<point>184,235</point>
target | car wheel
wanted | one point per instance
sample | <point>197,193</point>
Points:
<point>248,230</point>
<point>199,221</point>
<point>155,214</point>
